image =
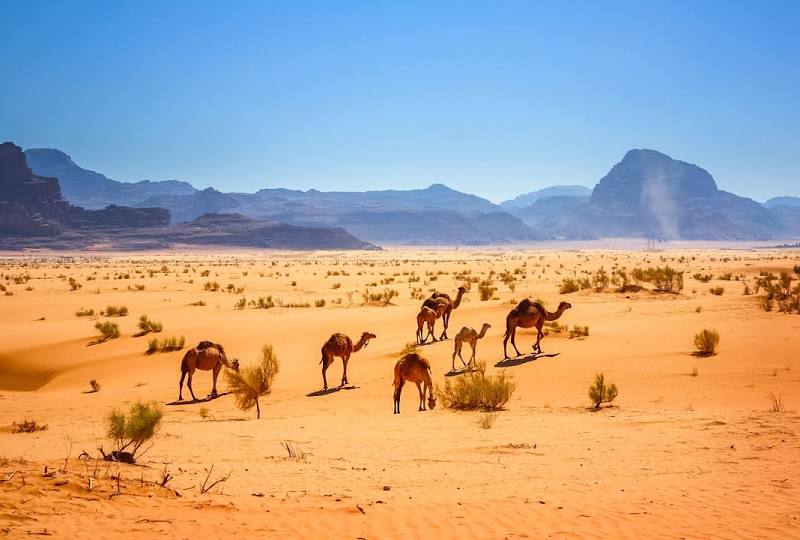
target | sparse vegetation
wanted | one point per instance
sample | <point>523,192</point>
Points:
<point>83,312</point>
<point>94,386</point>
<point>115,311</point>
<point>146,326</point>
<point>706,342</point>
<point>601,392</point>
<point>131,430</point>
<point>486,420</point>
<point>168,344</point>
<point>477,390</point>
<point>717,291</point>
<point>776,404</point>
<point>108,330</point>
<point>252,382</point>
<point>486,290</point>
<point>27,426</point>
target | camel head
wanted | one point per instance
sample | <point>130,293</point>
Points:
<point>463,289</point>
<point>431,402</point>
<point>366,336</point>
<point>564,305</point>
<point>235,364</point>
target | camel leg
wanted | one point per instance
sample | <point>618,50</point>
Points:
<point>537,347</point>
<point>189,385</point>
<point>398,389</point>
<point>513,341</point>
<point>421,397</point>
<point>217,369</point>
<point>345,359</point>
<point>180,386</point>
<point>325,364</point>
<point>472,360</point>
<point>430,332</point>
<point>456,349</point>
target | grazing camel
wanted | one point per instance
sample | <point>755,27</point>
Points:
<point>468,335</point>
<point>412,367</point>
<point>530,314</point>
<point>450,305</point>
<point>342,346</point>
<point>207,356</point>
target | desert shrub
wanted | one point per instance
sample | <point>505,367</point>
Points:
<point>776,404</point>
<point>747,290</point>
<point>600,280</point>
<point>212,286</point>
<point>94,385</point>
<point>263,303</point>
<point>115,311</point>
<point>27,426</point>
<point>706,342</point>
<point>600,392</point>
<point>108,330</point>
<point>579,331</point>
<point>725,277</point>
<point>477,390</point>
<point>74,285</point>
<point>251,382</point>
<point>568,285</point>
<point>130,430</point>
<point>169,344</point>
<point>486,420</point>
<point>408,348</point>
<point>319,303</point>
<point>146,325</point>
<point>486,290</point>
<point>765,302</point>
<point>717,291</point>
<point>198,303</point>
<point>702,278</point>
<point>83,312</point>
<point>241,303</point>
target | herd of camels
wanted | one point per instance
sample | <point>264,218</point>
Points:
<point>412,367</point>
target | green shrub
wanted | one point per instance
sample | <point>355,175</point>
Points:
<point>476,390</point>
<point>702,278</point>
<point>600,392</point>
<point>717,291</point>
<point>27,426</point>
<point>486,290</point>
<point>115,311</point>
<point>319,303</point>
<point>146,325</point>
<point>83,312</point>
<point>568,285</point>
<point>108,330</point>
<point>706,342</point>
<point>251,382</point>
<point>129,431</point>
<point>169,344</point>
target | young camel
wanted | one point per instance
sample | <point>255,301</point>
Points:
<point>530,314</point>
<point>207,356</point>
<point>413,368</point>
<point>450,305</point>
<point>468,335</point>
<point>342,346</point>
<point>427,316</point>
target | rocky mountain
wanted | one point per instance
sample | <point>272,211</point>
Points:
<point>526,200</point>
<point>782,201</point>
<point>90,189</point>
<point>33,213</point>
<point>649,191</point>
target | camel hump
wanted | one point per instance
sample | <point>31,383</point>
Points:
<point>203,345</point>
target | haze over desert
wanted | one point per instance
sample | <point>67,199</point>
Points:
<point>689,448</point>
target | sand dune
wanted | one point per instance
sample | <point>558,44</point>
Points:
<point>680,455</point>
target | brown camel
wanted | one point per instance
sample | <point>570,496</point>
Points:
<point>449,306</point>
<point>427,316</point>
<point>342,346</point>
<point>207,356</point>
<point>468,335</point>
<point>530,314</point>
<point>412,367</point>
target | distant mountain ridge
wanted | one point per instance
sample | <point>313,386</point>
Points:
<point>646,192</point>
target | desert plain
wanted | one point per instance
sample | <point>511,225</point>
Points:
<point>692,446</point>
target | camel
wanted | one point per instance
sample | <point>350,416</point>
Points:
<point>530,314</point>
<point>412,367</point>
<point>342,346</point>
<point>468,335</point>
<point>207,356</point>
<point>450,305</point>
<point>427,316</point>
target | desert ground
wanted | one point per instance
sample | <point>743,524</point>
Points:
<point>692,447</point>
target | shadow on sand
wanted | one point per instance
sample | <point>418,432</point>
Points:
<point>455,372</point>
<point>331,390</point>
<point>519,360</point>
<point>195,401</point>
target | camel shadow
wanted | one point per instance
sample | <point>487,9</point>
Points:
<point>432,342</point>
<point>456,372</point>
<point>519,360</point>
<point>196,401</point>
<point>332,390</point>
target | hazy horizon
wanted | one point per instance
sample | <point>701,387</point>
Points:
<point>495,100</point>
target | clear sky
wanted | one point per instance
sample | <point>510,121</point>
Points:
<point>492,98</point>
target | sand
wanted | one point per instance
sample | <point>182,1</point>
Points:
<point>690,448</point>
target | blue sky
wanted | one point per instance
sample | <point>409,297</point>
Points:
<point>493,98</point>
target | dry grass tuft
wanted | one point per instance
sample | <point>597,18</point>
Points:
<point>477,390</point>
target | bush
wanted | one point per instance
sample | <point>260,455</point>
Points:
<point>717,291</point>
<point>129,431</point>
<point>319,303</point>
<point>476,390</point>
<point>706,342</point>
<point>146,325</point>
<point>251,382</point>
<point>83,312</point>
<point>166,345</point>
<point>702,278</point>
<point>108,330</point>
<point>568,285</point>
<point>27,426</point>
<point>579,331</point>
<point>600,392</point>
<point>94,385</point>
<point>486,290</point>
<point>240,303</point>
<point>486,421</point>
<point>115,311</point>
<point>765,302</point>
<point>74,285</point>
